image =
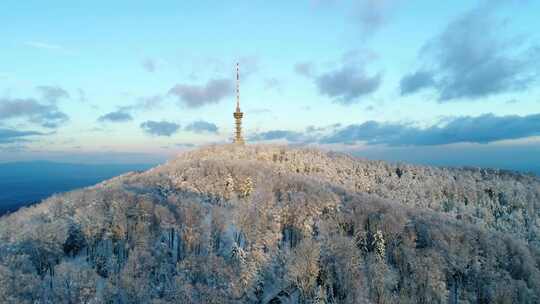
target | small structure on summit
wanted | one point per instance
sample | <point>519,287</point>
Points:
<point>238,138</point>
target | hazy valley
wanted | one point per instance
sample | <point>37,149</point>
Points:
<point>25,183</point>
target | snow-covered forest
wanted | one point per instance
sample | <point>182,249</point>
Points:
<point>270,224</point>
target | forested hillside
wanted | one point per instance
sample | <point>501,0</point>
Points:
<point>269,224</point>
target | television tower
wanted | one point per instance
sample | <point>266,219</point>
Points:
<point>238,139</point>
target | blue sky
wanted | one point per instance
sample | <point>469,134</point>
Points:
<point>451,83</point>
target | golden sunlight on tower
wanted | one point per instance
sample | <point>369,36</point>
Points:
<point>238,139</point>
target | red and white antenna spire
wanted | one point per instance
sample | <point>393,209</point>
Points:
<point>238,87</point>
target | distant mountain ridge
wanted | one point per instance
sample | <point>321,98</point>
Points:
<point>272,224</point>
<point>24,183</point>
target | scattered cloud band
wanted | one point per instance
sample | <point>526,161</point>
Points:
<point>195,96</point>
<point>116,116</point>
<point>160,128</point>
<point>10,136</point>
<point>202,126</point>
<point>482,129</point>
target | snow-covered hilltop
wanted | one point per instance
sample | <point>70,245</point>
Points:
<point>270,224</point>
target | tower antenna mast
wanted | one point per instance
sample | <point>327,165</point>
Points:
<point>237,87</point>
